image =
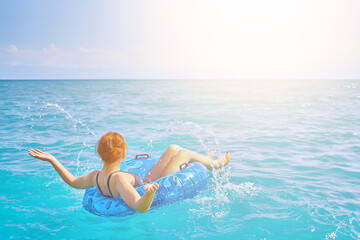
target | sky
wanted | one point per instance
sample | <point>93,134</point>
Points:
<point>196,39</point>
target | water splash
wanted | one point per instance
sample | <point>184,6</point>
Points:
<point>222,193</point>
<point>77,121</point>
<point>333,234</point>
<point>200,133</point>
<point>218,200</point>
<point>78,162</point>
<point>59,112</point>
<point>205,136</point>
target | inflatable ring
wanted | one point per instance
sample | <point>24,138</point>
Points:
<point>184,183</point>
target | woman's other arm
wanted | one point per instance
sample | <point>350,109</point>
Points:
<point>132,197</point>
<point>82,182</point>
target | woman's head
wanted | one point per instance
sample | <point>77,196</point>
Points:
<point>111,147</point>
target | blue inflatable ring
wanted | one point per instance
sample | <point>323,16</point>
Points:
<point>182,184</point>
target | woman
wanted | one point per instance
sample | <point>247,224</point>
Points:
<point>113,182</point>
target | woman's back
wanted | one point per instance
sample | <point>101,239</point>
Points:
<point>106,182</point>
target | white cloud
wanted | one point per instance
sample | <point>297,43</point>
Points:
<point>52,56</point>
<point>13,63</point>
<point>11,48</point>
<point>51,49</point>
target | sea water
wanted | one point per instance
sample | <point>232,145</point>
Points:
<point>294,173</point>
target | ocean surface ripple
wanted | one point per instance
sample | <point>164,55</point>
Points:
<point>295,146</point>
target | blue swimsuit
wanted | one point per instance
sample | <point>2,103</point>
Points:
<point>138,181</point>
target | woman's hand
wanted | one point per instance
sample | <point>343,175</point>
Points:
<point>36,153</point>
<point>151,188</point>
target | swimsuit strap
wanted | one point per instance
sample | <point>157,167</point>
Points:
<point>138,180</point>
<point>108,181</point>
<point>97,183</point>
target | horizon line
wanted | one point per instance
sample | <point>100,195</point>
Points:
<point>151,79</point>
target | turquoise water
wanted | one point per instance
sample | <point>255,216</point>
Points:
<point>294,174</point>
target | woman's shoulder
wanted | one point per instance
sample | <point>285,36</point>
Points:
<point>121,178</point>
<point>94,172</point>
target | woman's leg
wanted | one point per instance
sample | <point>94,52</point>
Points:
<point>186,156</point>
<point>158,168</point>
<point>174,156</point>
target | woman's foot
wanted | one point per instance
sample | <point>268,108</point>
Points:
<point>222,162</point>
<point>211,154</point>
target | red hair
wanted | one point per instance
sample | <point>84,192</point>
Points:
<point>111,147</point>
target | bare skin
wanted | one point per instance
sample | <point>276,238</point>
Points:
<point>211,154</point>
<point>223,161</point>
<point>121,183</point>
<point>174,156</point>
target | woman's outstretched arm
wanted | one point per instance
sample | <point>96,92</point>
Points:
<point>82,182</point>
